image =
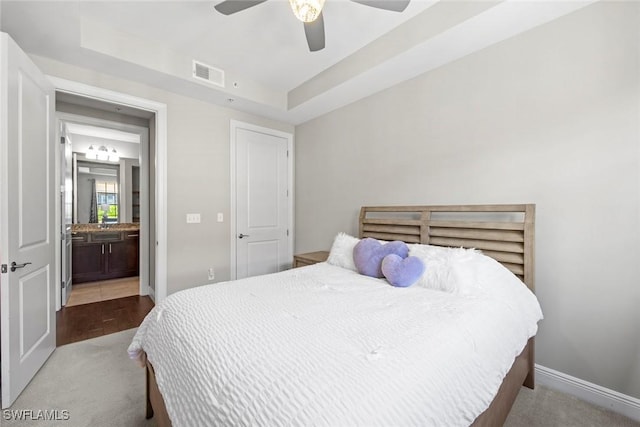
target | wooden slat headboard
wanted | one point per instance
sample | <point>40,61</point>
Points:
<point>503,232</point>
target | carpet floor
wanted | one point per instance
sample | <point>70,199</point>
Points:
<point>94,380</point>
<point>99,386</point>
<point>544,407</point>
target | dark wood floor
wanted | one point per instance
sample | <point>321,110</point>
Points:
<point>82,322</point>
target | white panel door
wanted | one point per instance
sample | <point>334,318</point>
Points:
<point>262,205</point>
<point>27,191</point>
<point>66,206</point>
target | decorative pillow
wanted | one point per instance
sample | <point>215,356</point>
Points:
<point>341,254</point>
<point>402,272</point>
<point>448,269</point>
<point>368,255</point>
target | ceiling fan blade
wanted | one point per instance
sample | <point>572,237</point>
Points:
<point>229,7</point>
<point>392,5</point>
<point>315,33</point>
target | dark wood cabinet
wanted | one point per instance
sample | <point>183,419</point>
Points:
<point>105,255</point>
<point>123,257</point>
<point>87,261</point>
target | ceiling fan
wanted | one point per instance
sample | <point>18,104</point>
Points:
<point>310,13</point>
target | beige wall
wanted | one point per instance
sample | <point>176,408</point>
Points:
<point>197,173</point>
<point>550,117</point>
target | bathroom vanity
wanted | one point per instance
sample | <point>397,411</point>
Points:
<point>105,252</point>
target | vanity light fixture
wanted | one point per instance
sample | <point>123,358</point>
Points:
<point>103,154</point>
<point>92,153</point>
<point>113,155</point>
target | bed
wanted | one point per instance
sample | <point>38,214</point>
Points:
<point>323,345</point>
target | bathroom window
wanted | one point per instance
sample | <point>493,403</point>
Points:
<point>107,201</point>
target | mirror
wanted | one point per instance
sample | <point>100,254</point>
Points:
<point>98,192</point>
<point>104,174</point>
<point>106,193</point>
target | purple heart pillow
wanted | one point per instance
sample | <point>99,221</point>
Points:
<point>368,255</point>
<point>402,272</point>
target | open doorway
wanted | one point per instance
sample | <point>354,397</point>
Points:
<point>107,196</point>
<point>106,177</point>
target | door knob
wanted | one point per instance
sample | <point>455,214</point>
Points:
<point>240,236</point>
<point>15,266</point>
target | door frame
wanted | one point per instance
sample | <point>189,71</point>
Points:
<point>143,155</point>
<point>160,111</point>
<point>234,125</point>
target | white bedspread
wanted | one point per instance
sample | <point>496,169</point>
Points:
<point>322,345</point>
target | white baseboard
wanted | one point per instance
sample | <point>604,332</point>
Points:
<point>589,392</point>
<point>152,293</point>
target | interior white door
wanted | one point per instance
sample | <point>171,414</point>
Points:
<point>66,203</point>
<point>27,192</point>
<point>262,205</point>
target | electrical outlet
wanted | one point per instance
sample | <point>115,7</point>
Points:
<point>211,273</point>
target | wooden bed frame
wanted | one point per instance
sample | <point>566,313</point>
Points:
<point>503,232</point>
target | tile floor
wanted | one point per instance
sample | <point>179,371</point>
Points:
<point>86,293</point>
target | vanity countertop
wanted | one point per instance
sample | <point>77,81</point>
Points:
<point>96,228</point>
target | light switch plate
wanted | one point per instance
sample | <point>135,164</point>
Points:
<point>220,217</point>
<point>193,218</point>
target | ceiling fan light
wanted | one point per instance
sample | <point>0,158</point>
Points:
<point>307,10</point>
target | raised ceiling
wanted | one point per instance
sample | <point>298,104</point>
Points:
<point>268,68</point>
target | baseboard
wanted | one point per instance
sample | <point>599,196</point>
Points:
<point>152,293</point>
<point>589,392</point>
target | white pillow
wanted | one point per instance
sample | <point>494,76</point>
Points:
<point>341,253</point>
<point>469,272</point>
<point>448,269</point>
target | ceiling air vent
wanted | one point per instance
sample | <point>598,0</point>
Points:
<point>208,74</point>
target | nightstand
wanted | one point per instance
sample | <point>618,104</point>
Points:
<point>309,258</point>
